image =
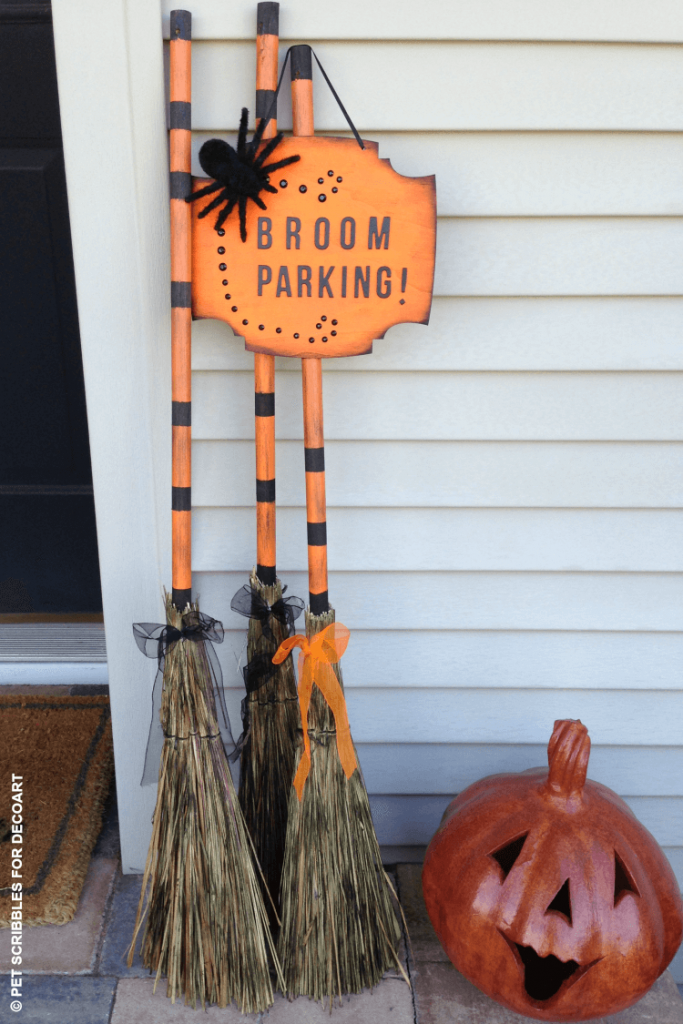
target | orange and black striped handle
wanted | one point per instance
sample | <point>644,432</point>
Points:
<point>181,304</point>
<point>267,44</point>
<point>312,378</point>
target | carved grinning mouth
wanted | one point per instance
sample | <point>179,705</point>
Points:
<point>544,976</point>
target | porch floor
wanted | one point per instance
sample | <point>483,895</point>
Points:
<point>76,973</point>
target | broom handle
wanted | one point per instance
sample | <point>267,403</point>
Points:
<point>181,304</point>
<point>312,379</point>
<point>267,41</point>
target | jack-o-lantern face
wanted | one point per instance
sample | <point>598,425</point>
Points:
<point>548,894</point>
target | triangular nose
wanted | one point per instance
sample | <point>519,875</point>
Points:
<point>562,902</point>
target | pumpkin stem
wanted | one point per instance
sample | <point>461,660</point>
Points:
<point>568,753</point>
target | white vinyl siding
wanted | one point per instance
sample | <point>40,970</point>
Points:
<point>542,20</point>
<point>504,333</point>
<point>443,406</point>
<point>447,86</point>
<point>505,486</point>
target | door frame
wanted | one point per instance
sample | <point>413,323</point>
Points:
<point>111,89</point>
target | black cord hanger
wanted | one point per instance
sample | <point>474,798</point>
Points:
<point>273,106</point>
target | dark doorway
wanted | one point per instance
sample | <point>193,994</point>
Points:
<point>48,542</point>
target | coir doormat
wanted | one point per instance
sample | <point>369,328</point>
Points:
<point>56,763</point>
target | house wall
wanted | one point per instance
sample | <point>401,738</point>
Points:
<point>504,485</point>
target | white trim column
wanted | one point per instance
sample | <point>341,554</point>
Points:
<point>111,91</point>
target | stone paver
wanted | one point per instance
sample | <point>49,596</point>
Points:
<point>661,1005</point>
<point>62,1000</point>
<point>68,948</point>
<point>137,1003</point>
<point>443,996</point>
<point>108,842</point>
<point>440,994</point>
<point>424,945</point>
<point>390,1003</point>
<point>120,930</point>
<point>395,971</point>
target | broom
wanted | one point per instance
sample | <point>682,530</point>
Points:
<point>271,712</point>
<point>207,927</point>
<point>339,930</point>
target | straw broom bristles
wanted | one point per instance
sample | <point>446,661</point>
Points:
<point>207,927</point>
<point>268,755</point>
<point>339,930</point>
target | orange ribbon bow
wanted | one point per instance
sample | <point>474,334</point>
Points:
<point>316,659</point>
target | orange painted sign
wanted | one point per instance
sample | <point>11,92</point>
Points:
<point>344,251</point>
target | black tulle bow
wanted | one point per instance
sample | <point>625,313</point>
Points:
<point>258,671</point>
<point>256,674</point>
<point>155,640</point>
<point>248,602</point>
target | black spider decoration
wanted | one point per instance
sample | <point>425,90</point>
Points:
<point>240,175</point>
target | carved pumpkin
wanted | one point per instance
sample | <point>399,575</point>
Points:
<point>548,894</point>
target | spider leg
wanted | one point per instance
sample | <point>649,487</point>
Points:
<point>259,202</point>
<point>243,217</point>
<point>220,198</point>
<point>268,148</point>
<point>204,191</point>
<point>242,136</point>
<point>257,138</point>
<point>269,188</point>
<point>224,214</point>
<point>280,163</point>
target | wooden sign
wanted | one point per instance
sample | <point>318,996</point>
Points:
<point>344,251</point>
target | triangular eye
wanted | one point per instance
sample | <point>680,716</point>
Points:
<point>562,903</point>
<point>508,854</point>
<point>623,882</point>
